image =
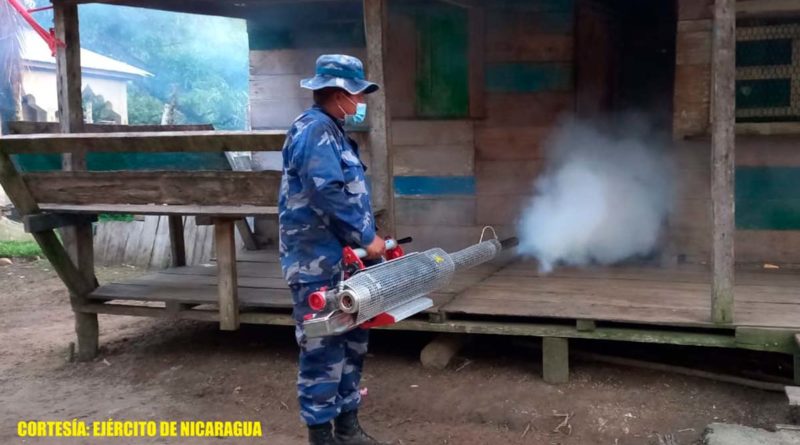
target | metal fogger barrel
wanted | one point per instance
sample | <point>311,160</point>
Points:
<point>394,290</point>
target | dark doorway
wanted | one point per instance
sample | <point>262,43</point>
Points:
<point>625,57</point>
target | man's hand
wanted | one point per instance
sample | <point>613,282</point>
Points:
<point>376,248</point>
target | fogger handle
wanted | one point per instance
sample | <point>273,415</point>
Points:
<point>391,243</point>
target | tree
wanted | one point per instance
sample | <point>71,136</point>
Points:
<point>203,59</point>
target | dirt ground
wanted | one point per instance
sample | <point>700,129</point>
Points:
<point>166,370</point>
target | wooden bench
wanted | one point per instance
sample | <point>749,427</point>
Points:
<point>52,200</point>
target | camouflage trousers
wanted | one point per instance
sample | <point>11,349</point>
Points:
<point>330,367</point>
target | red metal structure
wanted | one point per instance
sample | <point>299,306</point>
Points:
<point>49,36</point>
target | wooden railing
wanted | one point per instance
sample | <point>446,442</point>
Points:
<point>50,200</point>
<point>144,142</point>
<point>158,188</point>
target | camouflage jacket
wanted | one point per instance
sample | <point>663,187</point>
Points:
<point>324,199</point>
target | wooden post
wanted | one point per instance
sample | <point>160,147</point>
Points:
<point>796,361</point>
<point>78,240</point>
<point>555,360</point>
<point>225,243</point>
<point>796,369</point>
<point>177,241</point>
<point>248,238</point>
<point>379,138</point>
<point>723,120</point>
<point>585,325</point>
<point>68,67</point>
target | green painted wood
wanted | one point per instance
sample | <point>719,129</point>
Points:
<point>307,25</point>
<point>585,325</point>
<point>636,335</point>
<point>535,5</point>
<point>442,66</point>
<point>766,339</point>
<point>767,52</point>
<point>128,161</point>
<point>528,77</point>
<point>763,93</point>
<point>768,198</point>
<point>555,360</point>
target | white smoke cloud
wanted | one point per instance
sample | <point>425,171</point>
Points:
<point>603,197</point>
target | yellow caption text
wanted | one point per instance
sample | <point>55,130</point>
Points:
<point>138,428</point>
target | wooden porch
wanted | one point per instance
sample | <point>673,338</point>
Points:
<point>632,303</point>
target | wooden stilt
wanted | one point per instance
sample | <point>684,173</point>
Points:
<point>78,240</point>
<point>797,369</point>
<point>177,241</point>
<point>555,360</point>
<point>226,271</point>
<point>723,120</point>
<point>87,331</point>
<point>797,359</point>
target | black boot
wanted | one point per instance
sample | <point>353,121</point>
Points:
<point>348,432</point>
<point>321,435</point>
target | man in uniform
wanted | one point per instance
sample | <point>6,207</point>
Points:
<point>325,205</point>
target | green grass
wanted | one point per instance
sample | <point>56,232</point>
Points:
<point>19,249</point>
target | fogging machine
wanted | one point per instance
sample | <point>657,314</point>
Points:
<point>393,290</point>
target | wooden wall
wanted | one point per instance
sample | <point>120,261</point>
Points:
<point>767,167</point>
<point>276,98</point>
<point>458,165</point>
<point>466,168</point>
<point>529,88</point>
<point>453,176</point>
<point>285,40</point>
<point>434,182</point>
<point>145,243</point>
<point>761,207</point>
<point>690,221</point>
<point>692,99</point>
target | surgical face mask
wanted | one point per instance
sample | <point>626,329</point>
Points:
<point>359,117</point>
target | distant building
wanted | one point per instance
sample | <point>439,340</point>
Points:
<point>102,76</point>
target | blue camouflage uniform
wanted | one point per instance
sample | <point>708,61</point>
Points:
<point>324,205</point>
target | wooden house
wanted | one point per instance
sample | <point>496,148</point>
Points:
<point>472,89</point>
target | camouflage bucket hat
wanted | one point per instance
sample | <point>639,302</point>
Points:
<point>341,71</point>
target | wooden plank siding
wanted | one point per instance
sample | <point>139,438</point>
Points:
<point>766,165</point>
<point>692,99</point>
<point>690,219</point>
<point>768,172</point>
<point>434,181</point>
<point>276,98</point>
<point>460,172</point>
<point>156,187</point>
<point>529,88</point>
<point>401,65</point>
